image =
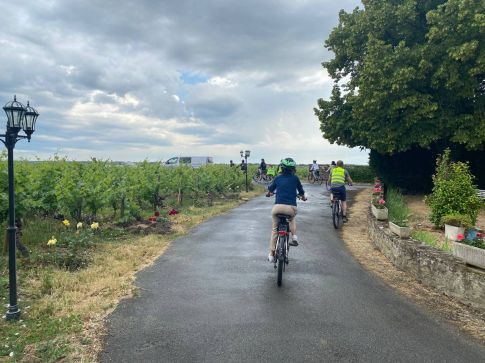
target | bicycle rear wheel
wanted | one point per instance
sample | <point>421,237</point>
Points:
<point>336,215</point>
<point>281,258</point>
<point>311,178</point>
<point>320,180</point>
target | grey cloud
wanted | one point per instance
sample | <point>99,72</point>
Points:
<point>58,54</point>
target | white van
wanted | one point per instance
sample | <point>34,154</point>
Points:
<point>193,161</point>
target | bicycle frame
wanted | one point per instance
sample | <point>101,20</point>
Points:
<point>282,246</point>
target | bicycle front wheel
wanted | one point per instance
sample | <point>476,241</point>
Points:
<point>281,259</point>
<point>327,184</point>
<point>336,216</point>
<point>311,178</point>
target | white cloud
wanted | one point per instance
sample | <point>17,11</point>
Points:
<point>113,88</point>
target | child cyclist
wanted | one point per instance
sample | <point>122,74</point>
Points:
<point>286,185</point>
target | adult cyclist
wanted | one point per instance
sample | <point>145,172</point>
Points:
<point>286,185</point>
<point>315,169</point>
<point>338,176</point>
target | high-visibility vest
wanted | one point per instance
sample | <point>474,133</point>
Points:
<point>338,175</point>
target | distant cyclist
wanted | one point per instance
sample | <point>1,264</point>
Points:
<point>338,176</point>
<point>286,185</point>
<point>263,167</point>
<point>315,169</point>
<point>332,165</point>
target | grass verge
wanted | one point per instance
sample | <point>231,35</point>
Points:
<point>62,312</point>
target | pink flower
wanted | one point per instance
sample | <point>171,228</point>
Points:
<point>460,237</point>
<point>479,234</point>
<point>382,201</point>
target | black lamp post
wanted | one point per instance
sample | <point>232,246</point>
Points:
<point>246,154</point>
<point>18,117</point>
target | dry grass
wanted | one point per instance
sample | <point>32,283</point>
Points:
<point>94,292</point>
<point>443,307</point>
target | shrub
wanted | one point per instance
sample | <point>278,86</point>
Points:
<point>457,220</point>
<point>453,191</point>
<point>398,210</point>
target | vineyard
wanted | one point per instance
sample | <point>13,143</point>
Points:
<point>101,189</point>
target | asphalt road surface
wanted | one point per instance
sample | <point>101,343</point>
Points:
<point>212,297</point>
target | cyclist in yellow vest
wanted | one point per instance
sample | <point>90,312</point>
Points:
<point>337,178</point>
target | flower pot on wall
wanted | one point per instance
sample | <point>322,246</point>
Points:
<point>403,232</point>
<point>452,232</point>
<point>472,255</point>
<point>379,213</point>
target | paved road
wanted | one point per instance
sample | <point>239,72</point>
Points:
<point>212,297</point>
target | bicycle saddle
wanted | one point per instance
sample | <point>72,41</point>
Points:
<point>283,216</point>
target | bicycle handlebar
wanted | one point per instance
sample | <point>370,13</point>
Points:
<point>301,197</point>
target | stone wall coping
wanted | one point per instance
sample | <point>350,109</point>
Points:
<point>430,266</point>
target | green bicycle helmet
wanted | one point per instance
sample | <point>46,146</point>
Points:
<point>288,163</point>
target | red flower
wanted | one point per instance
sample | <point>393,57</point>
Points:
<point>172,212</point>
<point>157,213</point>
<point>460,237</point>
<point>479,234</point>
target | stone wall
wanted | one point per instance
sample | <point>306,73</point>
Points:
<point>429,265</point>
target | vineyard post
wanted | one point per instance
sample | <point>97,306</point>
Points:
<point>18,117</point>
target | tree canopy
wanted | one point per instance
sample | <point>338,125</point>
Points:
<point>407,73</point>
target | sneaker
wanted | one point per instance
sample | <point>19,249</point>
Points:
<point>344,219</point>
<point>294,241</point>
<point>271,258</point>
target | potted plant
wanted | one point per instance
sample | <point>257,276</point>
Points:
<point>472,250</point>
<point>398,213</point>
<point>379,209</point>
<point>456,224</point>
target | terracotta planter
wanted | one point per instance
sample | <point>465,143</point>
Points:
<point>451,232</point>
<point>472,255</point>
<point>380,214</point>
<point>403,232</point>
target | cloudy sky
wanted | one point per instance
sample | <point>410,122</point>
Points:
<point>146,79</point>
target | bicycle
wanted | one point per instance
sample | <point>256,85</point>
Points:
<point>283,242</point>
<point>337,214</point>
<point>311,178</point>
<point>282,246</point>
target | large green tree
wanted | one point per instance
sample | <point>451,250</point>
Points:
<point>408,74</point>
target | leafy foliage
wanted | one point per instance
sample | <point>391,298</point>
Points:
<point>453,191</point>
<point>457,220</point>
<point>83,190</point>
<point>410,70</point>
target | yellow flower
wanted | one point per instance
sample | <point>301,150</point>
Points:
<point>52,241</point>
<point>95,225</point>
<point>66,222</point>
<point>79,225</point>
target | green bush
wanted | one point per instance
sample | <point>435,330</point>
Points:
<point>398,210</point>
<point>453,191</point>
<point>457,220</point>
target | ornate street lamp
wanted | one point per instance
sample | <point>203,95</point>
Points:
<point>246,154</point>
<point>18,117</point>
